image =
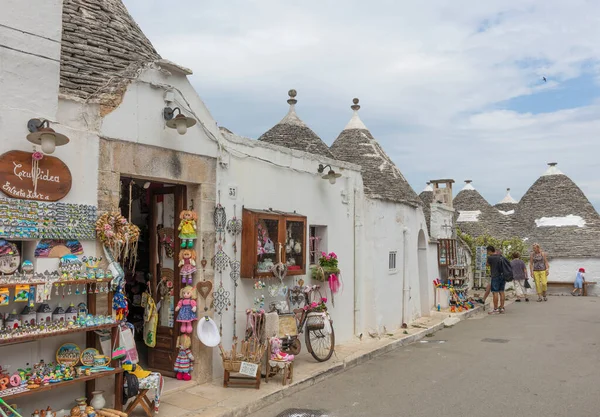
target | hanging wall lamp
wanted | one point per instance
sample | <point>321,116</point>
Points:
<point>332,176</point>
<point>45,135</point>
<point>179,122</point>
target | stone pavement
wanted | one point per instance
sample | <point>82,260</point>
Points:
<point>211,399</point>
<point>538,359</point>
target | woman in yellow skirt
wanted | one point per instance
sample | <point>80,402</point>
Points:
<point>539,269</point>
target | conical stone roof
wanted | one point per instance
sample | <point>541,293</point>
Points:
<point>381,177</point>
<point>475,216</point>
<point>100,42</point>
<point>291,132</point>
<point>555,213</point>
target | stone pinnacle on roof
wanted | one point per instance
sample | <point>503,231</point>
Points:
<point>552,169</point>
<point>508,199</point>
<point>381,177</point>
<point>427,188</point>
<point>355,122</point>
<point>468,185</point>
<point>291,132</point>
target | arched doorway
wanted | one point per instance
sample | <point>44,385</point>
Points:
<point>424,284</point>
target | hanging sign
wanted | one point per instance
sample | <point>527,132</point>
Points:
<point>16,179</point>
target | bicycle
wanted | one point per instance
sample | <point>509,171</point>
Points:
<point>316,324</point>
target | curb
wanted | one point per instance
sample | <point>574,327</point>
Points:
<point>348,363</point>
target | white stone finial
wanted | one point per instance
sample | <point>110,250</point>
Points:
<point>468,185</point>
<point>552,170</point>
<point>508,199</point>
<point>355,122</point>
<point>428,187</point>
<point>292,118</point>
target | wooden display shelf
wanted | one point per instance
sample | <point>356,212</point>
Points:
<point>49,387</point>
<point>66,282</point>
<point>33,337</point>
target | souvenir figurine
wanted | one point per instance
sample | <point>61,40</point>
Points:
<point>187,264</point>
<point>276,353</point>
<point>187,228</point>
<point>187,308</point>
<point>27,268</point>
<point>185,359</point>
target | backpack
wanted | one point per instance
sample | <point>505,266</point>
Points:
<point>507,272</point>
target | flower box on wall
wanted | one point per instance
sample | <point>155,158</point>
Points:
<point>270,237</point>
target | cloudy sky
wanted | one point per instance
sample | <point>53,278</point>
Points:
<point>452,89</point>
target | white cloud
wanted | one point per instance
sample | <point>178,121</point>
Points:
<point>430,76</point>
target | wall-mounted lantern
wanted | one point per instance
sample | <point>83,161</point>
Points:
<point>45,135</point>
<point>179,122</point>
<point>331,176</point>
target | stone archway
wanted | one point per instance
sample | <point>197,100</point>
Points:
<point>424,283</point>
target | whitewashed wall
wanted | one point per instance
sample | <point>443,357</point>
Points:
<point>441,216</point>
<point>291,183</point>
<point>384,226</point>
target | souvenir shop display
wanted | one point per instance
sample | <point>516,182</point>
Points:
<point>454,298</point>
<point>119,235</point>
<point>150,319</point>
<point>208,332</point>
<point>261,243</point>
<point>220,262</point>
<point>187,265</point>
<point>28,219</point>
<point>187,228</point>
<point>57,248</point>
<point>9,257</point>
<point>186,308</point>
<point>185,360</point>
<point>245,361</point>
<point>279,362</point>
<point>234,227</point>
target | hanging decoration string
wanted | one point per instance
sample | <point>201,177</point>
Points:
<point>36,157</point>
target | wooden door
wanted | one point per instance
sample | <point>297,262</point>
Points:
<point>165,205</point>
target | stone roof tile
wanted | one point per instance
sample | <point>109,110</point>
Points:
<point>100,41</point>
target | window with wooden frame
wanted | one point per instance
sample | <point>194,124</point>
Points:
<point>270,237</point>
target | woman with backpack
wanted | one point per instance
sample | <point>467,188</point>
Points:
<point>539,269</point>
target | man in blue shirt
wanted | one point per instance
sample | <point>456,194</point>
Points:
<point>494,261</point>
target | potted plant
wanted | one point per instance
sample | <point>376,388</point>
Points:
<point>328,264</point>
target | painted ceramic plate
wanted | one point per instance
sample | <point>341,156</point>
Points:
<point>68,354</point>
<point>87,356</point>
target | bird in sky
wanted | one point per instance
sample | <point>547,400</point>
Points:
<point>544,78</point>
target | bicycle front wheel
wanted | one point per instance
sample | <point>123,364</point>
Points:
<point>320,342</point>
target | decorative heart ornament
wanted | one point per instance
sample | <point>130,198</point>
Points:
<point>204,288</point>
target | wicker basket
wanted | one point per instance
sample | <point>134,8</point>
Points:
<point>315,321</point>
<point>233,366</point>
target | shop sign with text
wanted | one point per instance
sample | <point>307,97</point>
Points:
<point>16,177</point>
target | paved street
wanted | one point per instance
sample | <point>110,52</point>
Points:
<point>539,359</point>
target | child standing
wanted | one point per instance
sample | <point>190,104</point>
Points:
<point>579,280</point>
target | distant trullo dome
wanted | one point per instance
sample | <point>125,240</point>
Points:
<point>555,213</point>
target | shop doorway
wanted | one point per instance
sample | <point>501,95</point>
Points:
<point>154,207</point>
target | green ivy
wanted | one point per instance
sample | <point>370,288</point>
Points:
<point>508,246</point>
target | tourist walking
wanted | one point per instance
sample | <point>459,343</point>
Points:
<point>498,283</point>
<point>539,269</point>
<point>519,270</point>
<point>579,281</point>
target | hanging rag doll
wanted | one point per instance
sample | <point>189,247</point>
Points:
<point>187,265</point>
<point>187,228</point>
<point>187,308</point>
<point>185,359</point>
